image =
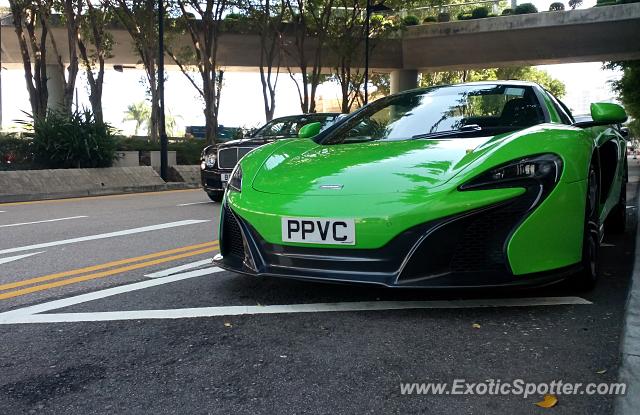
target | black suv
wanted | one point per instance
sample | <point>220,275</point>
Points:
<point>218,160</point>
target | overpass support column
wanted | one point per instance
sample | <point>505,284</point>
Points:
<point>55,87</point>
<point>403,79</point>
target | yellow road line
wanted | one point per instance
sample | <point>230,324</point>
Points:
<point>104,266</point>
<point>75,280</point>
<point>75,199</point>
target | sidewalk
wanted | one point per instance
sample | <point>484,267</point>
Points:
<point>629,372</point>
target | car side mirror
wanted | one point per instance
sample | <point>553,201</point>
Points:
<point>310,130</point>
<point>624,132</point>
<point>608,113</point>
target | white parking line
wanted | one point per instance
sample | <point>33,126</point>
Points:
<point>195,203</point>
<point>17,257</point>
<point>42,221</point>
<point>31,314</point>
<point>103,236</point>
<point>175,270</point>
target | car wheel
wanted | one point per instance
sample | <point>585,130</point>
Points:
<point>216,196</point>
<point>587,277</point>
<point>617,220</point>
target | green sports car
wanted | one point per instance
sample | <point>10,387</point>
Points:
<point>479,184</point>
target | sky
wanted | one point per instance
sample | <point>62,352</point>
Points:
<point>241,102</point>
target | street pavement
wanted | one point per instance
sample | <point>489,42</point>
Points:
<point>110,305</point>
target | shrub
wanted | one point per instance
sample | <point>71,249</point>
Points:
<point>15,152</point>
<point>479,13</point>
<point>556,7</point>
<point>411,20</point>
<point>430,19</point>
<point>525,8</point>
<point>507,12</point>
<point>463,16</point>
<point>72,141</point>
<point>444,17</point>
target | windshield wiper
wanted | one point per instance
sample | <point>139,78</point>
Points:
<point>471,128</point>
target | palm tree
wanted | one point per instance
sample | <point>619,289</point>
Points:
<point>140,112</point>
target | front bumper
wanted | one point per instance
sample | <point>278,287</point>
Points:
<point>211,179</point>
<point>464,250</point>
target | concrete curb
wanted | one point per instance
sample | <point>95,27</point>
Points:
<point>629,371</point>
<point>96,192</point>
<point>29,185</point>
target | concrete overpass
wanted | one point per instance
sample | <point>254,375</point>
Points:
<point>596,34</point>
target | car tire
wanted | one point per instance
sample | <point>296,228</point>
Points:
<point>216,196</point>
<point>617,220</point>
<point>587,277</point>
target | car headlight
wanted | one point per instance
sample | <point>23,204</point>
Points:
<point>203,165</point>
<point>235,181</point>
<point>210,160</point>
<point>543,170</point>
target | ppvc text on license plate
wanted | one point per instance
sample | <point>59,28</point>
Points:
<point>319,231</point>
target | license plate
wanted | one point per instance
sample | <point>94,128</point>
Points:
<point>225,177</point>
<point>319,231</point>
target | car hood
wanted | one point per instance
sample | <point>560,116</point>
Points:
<point>250,141</point>
<point>302,167</point>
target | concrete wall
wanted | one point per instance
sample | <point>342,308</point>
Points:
<point>50,184</point>
<point>186,174</point>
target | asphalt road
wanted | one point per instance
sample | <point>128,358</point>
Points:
<point>100,326</point>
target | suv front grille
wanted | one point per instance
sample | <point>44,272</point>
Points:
<point>228,157</point>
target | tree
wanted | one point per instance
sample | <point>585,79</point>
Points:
<point>309,18</point>
<point>204,31</point>
<point>267,17</point>
<point>574,4</point>
<point>140,112</point>
<point>28,16</point>
<point>71,12</point>
<point>345,38</point>
<point>93,34</point>
<point>628,90</point>
<point>139,17</point>
<point>522,73</point>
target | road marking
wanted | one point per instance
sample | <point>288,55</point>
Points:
<point>286,309</point>
<point>97,295</point>
<point>180,268</point>
<point>31,314</point>
<point>112,264</point>
<point>104,235</point>
<point>196,203</point>
<point>42,221</point>
<point>17,257</point>
<point>2,211</point>
<point>75,199</point>
<point>68,281</point>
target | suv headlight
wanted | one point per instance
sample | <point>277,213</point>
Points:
<point>235,181</point>
<point>542,170</point>
<point>210,160</point>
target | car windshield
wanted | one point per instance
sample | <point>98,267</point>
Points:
<point>289,126</point>
<point>449,111</point>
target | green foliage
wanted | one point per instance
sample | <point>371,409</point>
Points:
<point>507,12</point>
<point>524,73</point>
<point>479,13</point>
<point>73,140</point>
<point>628,87</point>
<point>15,152</point>
<point>463,16</point>
<point>575,4</point>
<point>525,8</point>
<point>556,6</point>
<point>411,20</point>
<point>430,19</point>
